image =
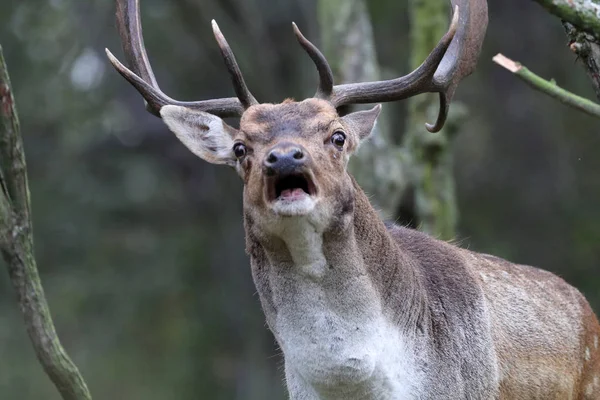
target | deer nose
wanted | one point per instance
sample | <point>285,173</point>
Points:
<point>284,159</point>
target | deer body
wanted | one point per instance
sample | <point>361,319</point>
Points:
<point>364,310</point>
<point>399,315</point>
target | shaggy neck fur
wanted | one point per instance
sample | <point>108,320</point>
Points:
<point>343,303</point>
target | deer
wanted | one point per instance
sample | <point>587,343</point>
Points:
<point>361,308</point>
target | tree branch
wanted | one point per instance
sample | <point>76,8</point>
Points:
<point>584,14</point>
<point>587,49</point>
<point>581,20</point>
<point>16,245</point>
<point>550,88</point>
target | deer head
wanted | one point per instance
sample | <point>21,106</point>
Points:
<point>292,156</point>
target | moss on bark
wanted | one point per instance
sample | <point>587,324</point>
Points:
<point>431,172</point>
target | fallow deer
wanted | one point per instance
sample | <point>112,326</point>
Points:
<point>360,308</point>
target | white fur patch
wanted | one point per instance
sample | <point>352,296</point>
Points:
<point>294,207</point>
<point>304,241</point>
<point>587,354</point>
<point>300,224</point>
<point>336,340</point>
<point>340,362</point>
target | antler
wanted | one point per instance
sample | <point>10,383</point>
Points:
<point>454,57</point>
<point>325,88</point>
<point>142,78</point>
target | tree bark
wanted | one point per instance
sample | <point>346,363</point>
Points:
<point>431,165</point>
<point>587,49</point>
<point>16,245</point>
<point>420,171</point>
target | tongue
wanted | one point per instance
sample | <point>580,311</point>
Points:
<point>292,193</point>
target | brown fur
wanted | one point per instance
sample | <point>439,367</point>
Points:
<point>475,326</point>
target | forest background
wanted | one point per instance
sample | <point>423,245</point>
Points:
<point>140,244</point>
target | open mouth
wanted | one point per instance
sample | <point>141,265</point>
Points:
<point>290,187</point>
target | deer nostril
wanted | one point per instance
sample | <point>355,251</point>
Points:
<point>298,154</point>
<point>272,158</point>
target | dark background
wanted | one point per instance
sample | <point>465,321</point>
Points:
<point>140,244</point>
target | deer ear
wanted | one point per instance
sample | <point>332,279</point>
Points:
<point>206,135</point>
<point>362,122</point>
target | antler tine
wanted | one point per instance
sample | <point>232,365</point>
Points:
<point>325,88</point>
<point>239,85</point>
<point>129,26</point>
<point>141,76</point>
<point>445,100</point>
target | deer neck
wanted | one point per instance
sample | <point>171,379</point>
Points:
<point>327,294</point>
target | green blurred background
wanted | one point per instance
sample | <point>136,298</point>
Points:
<point>140,244</point>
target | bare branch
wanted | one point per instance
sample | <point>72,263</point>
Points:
<point>550,88</point>
<point>16,245</point>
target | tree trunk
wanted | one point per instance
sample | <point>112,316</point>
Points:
<point>432,168</point>
<point>16,245</point>
<point>420,172</point>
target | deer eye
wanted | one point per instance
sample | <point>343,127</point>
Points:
<point>239,149</point>
<point>338,139</point>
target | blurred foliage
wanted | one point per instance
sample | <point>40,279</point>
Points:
<point>140,244</point>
